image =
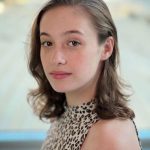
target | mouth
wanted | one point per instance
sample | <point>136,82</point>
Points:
<point>60,74</point>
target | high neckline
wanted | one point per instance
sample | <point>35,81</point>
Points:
<point>81,105</point>
<point>77,113</point>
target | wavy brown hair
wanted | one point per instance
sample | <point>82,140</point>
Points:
<point>111,100</point>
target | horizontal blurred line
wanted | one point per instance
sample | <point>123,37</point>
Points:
<point>13,136</point>
<point>21,136</point>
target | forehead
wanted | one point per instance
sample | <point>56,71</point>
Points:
<point>66,17</point>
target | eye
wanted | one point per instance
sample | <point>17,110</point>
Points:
<point>74,43</point>
<point>46,43</point>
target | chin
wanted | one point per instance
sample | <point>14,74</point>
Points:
<point>63,89</point>
<point>60,90</point>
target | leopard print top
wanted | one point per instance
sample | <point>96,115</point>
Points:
<point>70,130</point>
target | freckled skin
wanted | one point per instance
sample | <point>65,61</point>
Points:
<point>83,60</point>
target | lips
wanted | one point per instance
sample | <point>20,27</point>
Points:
<point>60,74</point>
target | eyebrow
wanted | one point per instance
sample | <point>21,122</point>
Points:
<point>44,34</point>
<point>64,33</point>
<point>73,32</point>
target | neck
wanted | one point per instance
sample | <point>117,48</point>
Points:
<point>77,98</point>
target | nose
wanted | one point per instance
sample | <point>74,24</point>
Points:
<point>58,57</point>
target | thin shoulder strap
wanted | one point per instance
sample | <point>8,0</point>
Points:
<point>137,134</point>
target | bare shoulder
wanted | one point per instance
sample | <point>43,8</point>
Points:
<point>114,134</point>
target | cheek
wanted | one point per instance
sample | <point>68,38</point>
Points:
<point>85,62</point>
<point>43,60</point>
<point>78,60</point>
<point>77,65</point>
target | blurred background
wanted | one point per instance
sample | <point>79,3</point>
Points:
<point>19,127</point>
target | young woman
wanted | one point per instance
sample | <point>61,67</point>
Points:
<point>74,58</point>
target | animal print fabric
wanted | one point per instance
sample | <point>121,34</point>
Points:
<point>69,131</point>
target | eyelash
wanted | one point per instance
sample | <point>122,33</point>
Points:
<point>74,43</point>
<point>47,43</point>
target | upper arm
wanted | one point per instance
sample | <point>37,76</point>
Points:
<point>112,135</point>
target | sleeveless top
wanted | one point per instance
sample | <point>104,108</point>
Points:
<point>70,130</point>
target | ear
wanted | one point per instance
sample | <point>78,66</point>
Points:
<point>107,48</point>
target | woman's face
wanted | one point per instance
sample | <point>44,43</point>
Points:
<point>70,53</point>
